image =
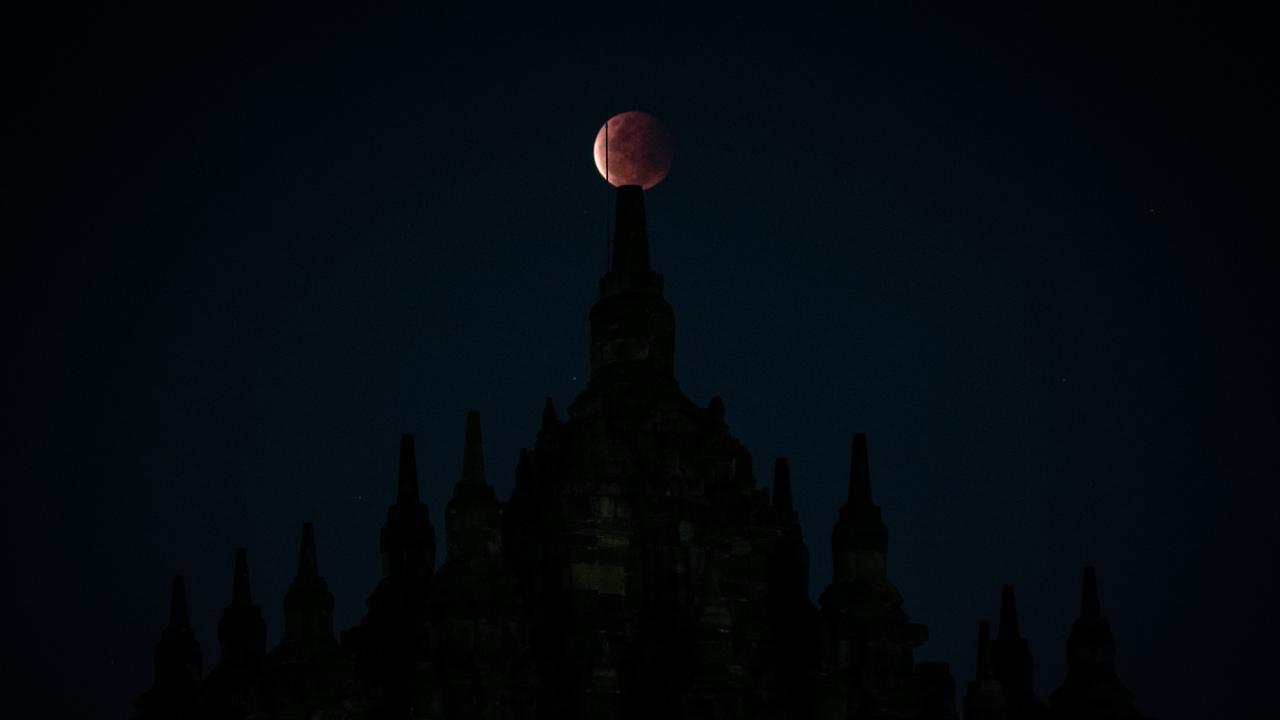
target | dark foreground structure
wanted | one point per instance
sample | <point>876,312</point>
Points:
<point>637,571</point>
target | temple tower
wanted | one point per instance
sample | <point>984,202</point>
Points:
<point>242,632</point>
<point>632,325</point>
<point>472,518</point>
<point>231,688</point>
<point>177,664</point>
<point>392,639</point>
<point>1012,663</point>
<point>480,655</point>
<point>1092,690</point>
<point>408,540</point>
<point>308,671</point>
<point>985,698</point>
<point>622,508</point>
<point>870,641</point>
<point>308,604</point>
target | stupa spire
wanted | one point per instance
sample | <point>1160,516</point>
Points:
<point>1012,662</point>
<point>985,699</point>
<point>861,601</point>
<point>860,539</point>
<point>630,234</point>
<point>242,633</point>
<point>1091,686</point>
<point>860,526</point>
<point>1090,608</point>
<point>177,664</point>
<point>472,521</point>
<point>632,326</point>
<point>859,472</point>
<point>472,487</point>
<point>308,604</point>
<point>407,540</point>
<point>307,565</point>
<point>716,408</point>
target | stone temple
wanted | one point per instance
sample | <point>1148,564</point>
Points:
<point>638,570</point>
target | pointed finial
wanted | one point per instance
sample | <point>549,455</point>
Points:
<point>716,408</point>
<point>984,670</point>
<point>782,484</point>
<point>473,451</point>
<point>178,604</point>
<point>307,565</point>
<point>859,472</point>
<point>549,418</point>
<point>240,582</point>
<point>1008,614</point>
<point>407,488</point>
<point>630,236</point>
<point>1090,609</point>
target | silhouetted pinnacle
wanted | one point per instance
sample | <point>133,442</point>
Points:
<point>177,665</point>
<point>407,540</point>
<point>307,565</point>
<point>473,451</point>
<point>472,487</point>
<point>860,528</point>
<point>985,699</point>
<point>240,582</point>
<point>1091,688</point>
<point>1012,662</point>
<point>782,484</point>
<point>242,633</point>
<point>632,326</point>
<point>178,605</point>
<point>1090,609</point>
<point>859,472</point>
<point>630,237</point>
<point>984,669</point>
<point>407,488</point>
<point>472,518</point>
<point>716,408</point>
<point>1008,614</point>
<point>308,605</point>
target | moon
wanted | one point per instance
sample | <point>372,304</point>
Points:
<point>639,150</point>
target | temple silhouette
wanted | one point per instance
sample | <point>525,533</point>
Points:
<point>638,570</point>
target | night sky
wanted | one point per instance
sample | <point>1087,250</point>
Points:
<point>1030,252</point>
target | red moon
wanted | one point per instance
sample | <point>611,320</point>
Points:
<point>639,151</point>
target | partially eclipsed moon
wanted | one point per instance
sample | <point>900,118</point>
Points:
<point>639,150</point>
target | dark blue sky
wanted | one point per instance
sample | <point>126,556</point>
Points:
<point>1030,252</point>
